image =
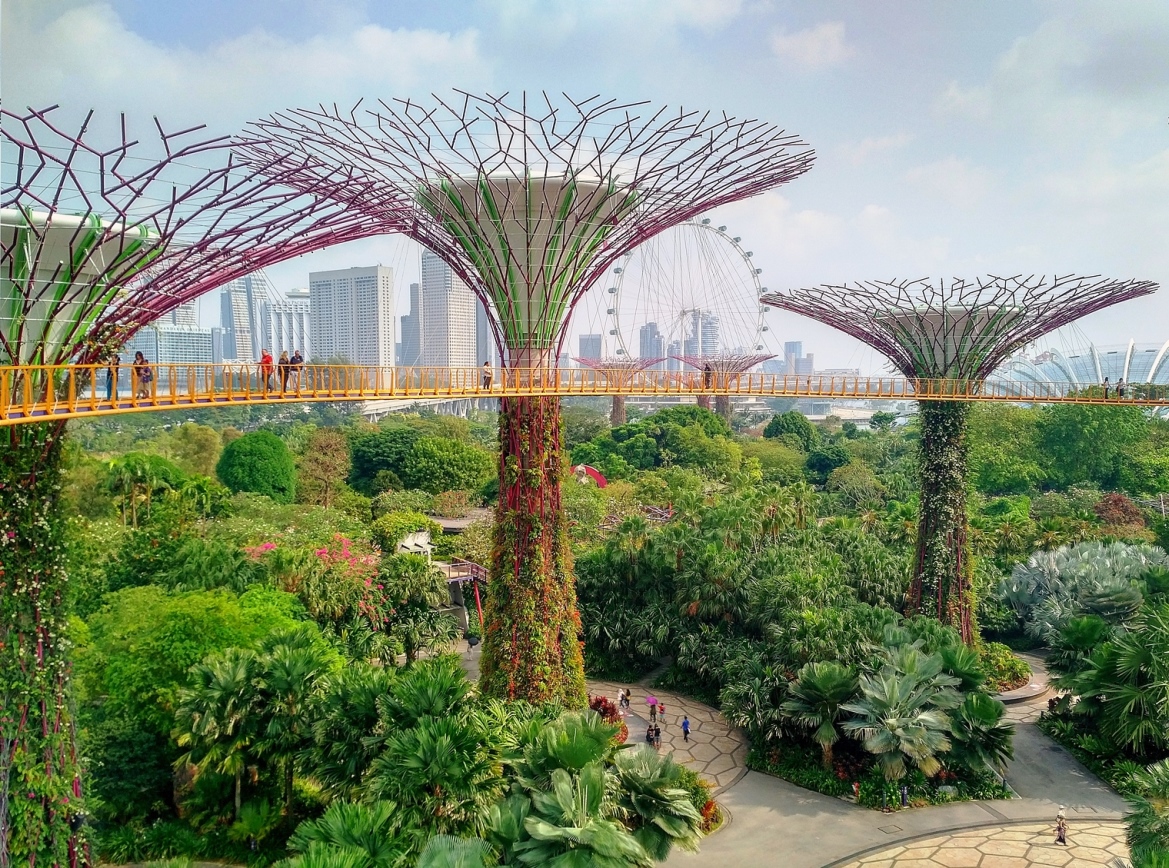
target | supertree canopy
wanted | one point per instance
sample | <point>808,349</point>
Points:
<point>529,202</point>
<point>955,329</point>
<point>98,239</point>
<point>620,372</point>
<point>715,369</point>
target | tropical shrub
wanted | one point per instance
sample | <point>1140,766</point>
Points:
<point>259,462</point>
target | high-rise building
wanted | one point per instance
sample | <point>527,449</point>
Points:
<point>353,315</point>
<point>701,334</point>
<point>241,304</point>
<point>411,354</point>
<point>651,344</point>
<point>673,350</point>
<point>485,350</point>
<point>448,317</point>
<point>287,323</point>
<point>794,360</point>
<point>590,347</point>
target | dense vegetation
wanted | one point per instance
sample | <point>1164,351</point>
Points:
<point>259,676</point>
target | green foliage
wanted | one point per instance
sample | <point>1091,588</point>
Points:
<point>1089,443</point>
<point>824,459</point>
<point>435,464</point>
<point>401,501</point>
<point>795,424</point>
<point>383,449</point>
<point>1004,671</point>
<point>371,834</point>
<point>816,701</point>
<point>778,462</point>
<point>259,462</point>
<point>393,527</point>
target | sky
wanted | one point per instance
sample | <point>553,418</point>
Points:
<point>953,138</point>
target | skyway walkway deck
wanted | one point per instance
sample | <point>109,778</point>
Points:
<point>42,393</point>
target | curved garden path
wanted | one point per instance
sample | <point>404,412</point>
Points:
<point>777,823</point>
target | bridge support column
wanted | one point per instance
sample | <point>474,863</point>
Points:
<point>531,641</point>
<point>942,584</point>
<point>39,772</point>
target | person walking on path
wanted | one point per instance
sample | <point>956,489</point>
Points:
<point>266,369</point>
<point>488,374</point>
<point>284,367</point>
<point>143,376</point>
<point>1061,827</point>
<point>1106,388</point>
<point>685,728</point>
<point>657,737</point>
<point>112,377</point>
<point>653,714</point>
<point>628,696</point>
<point>1120,388</point>
<point>296,364</point>
<point>661,713</point>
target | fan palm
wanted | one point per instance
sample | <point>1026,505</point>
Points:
<point>347,715</point>
<point>216,715</point>
<point>572,741</point>
<point>898,722</point>
<point>753,699</point>
<point>816,699</point>
<point>653,801</point>
<point>371,829</point>
<point>978,735</point>
<point>1148,824</point>
<point>445,851</point>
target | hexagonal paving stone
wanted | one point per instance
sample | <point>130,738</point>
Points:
<point>958,857</point>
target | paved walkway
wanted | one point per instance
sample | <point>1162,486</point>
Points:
<point>777,823</point>
<point>716,750</point>
<point>1019,846</point>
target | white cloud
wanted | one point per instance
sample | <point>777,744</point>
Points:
<point>860,152</point>
<point>954,180</point>
<point>819,47</point>
<point>98,60</point>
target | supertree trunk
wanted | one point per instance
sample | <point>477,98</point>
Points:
<point>40,787</point>
<point>942,586</point>
<point>531,645</point>
<point>704,402</point>
<point>617,416</point>
<point>722,406</point>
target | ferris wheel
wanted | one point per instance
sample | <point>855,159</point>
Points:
<point>691,290</point>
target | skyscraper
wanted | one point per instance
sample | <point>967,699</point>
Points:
<point>287,323</point>
<point>411,354</point>
<point>701,334</point>
<point>590,347</point>
<point>485,350</point>
<point>353,315</point>
<point>651,344</point>
<point>241,316</point>
<point>449,306</point>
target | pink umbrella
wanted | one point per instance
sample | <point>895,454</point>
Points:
<point>651,700</point>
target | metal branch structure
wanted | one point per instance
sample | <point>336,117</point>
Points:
<point>716,368</point>
<point>620,371</point>
<point>961,329</point>
<point>530,201</point>
<point>97,239</point>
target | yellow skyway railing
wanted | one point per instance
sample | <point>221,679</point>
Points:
<point>39,393</point>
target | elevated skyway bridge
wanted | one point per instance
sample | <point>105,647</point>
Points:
<point>46,392</point>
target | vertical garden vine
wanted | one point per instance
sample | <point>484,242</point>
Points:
<point>531,642</point>
<point>942,586</point>
<point>40,789</point>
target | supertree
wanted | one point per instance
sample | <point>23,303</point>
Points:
<point>620,372</point>
<point>716,372</point>
<point>959,330</point>
<point>529,203</point>
<point>99,235</point>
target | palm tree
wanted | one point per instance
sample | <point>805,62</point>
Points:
<point>215,718</point>
<point>898,722</point>
<point>753,700</point>
<point>445,851</point>
<point>347,715</point>
<point>1148,824</point>
<point>816,699</point>
<point>978,735</point>
<point>713,585</point>
<point>654,803</point>
<point>293,669</point>
<point>372,829</point>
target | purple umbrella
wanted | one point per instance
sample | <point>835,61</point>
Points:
<point>651,700</point>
